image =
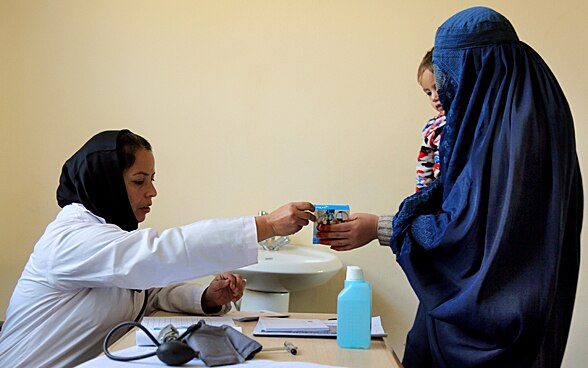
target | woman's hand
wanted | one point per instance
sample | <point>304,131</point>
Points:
<point>224,288</point>
<point>356,232</point>
<point>286,220</point>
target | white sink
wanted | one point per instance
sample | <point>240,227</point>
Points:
<point>291,268</point>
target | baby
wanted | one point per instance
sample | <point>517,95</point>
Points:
<point>427,169</point>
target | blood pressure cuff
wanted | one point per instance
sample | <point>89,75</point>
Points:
<point>221,345</point>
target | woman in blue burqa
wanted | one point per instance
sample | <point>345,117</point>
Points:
<point>492,247</point>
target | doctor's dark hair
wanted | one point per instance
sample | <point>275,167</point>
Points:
<point>126,145</point>
<point>426,64</point>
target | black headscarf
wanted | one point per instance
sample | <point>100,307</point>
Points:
<point>93,177</point>
<point>492,247</point>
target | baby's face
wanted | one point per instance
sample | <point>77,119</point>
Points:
<point>430,88</point>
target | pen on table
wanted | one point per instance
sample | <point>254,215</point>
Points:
<point>288,346</point>
<point>180,327</point>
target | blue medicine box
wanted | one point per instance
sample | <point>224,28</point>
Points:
<point>328,214</point>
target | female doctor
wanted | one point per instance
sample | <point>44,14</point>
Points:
<point>88,270</point>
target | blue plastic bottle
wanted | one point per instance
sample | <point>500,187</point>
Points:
<point>354,311</point>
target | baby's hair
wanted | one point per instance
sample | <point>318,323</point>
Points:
<point>426,64</point>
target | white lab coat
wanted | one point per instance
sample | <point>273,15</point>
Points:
<point>77,283</point>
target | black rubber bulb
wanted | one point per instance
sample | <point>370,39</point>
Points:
<point>175,353</point>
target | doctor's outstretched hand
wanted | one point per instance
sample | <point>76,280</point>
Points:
<point>286,220</point>
<point>359,230</point>
<point>224,288</point>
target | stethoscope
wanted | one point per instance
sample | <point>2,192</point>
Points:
<point>171,348</point>
<point>171,351</point>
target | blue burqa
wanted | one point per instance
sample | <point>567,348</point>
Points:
<point>492,247</point>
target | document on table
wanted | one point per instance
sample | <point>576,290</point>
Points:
<point>307,328</point>
<point>105,362</point>
<point>292,325</point>
<point>254,316</point>
<point>155,324</point>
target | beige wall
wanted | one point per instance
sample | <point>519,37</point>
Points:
<point>248,104</point>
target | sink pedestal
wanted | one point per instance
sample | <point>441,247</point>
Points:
<point>260,300</point>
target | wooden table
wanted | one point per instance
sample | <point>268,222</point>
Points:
<point>314,350</point>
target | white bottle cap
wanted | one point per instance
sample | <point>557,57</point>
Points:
<point>354,273</point>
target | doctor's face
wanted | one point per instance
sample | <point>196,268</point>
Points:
<point>139,183</point>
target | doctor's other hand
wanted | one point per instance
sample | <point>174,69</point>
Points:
<point>286,220</point>
<point>356,232</point>
<point>224,288</point>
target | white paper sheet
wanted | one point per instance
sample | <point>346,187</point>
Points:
<point>377,329</point>
<point>155,324</point>
<point>105,362</point>
<point>292,325</point>
<point>242,316</point>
